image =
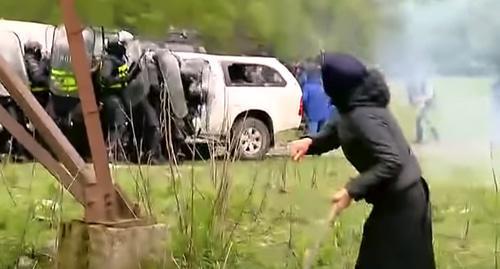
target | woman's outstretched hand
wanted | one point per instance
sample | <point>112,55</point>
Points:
<point>299,148</point>
<point>341,200</point>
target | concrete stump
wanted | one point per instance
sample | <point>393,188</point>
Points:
<point>89,246</point>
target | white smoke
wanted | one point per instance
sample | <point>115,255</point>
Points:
<point>456,43</point>
<point>445,37</point>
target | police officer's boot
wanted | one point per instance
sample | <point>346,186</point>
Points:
<point>114,140</point>
<point>152,140</point>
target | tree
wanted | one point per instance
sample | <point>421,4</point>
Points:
<point>291,28</point>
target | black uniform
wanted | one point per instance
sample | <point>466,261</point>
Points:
<point>38,73</point>
<point>148,121</point>
<point>148,125</point>
<point>114,78</point>
<point>398,232</point>
<point>9,145</point>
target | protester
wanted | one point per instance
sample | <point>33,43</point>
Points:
<point>398,232</point>
<point>421,95</point>
<point>317,105</point>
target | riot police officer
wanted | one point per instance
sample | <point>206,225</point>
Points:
<point>149,117</point>
<point>38,72</point>
<point>114,78</point>
<point>37,69</point>
<point>137,97</point>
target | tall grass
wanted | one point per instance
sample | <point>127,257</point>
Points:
<point>225,213</point>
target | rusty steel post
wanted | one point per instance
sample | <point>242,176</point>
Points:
<point>55,139</point>
<point>59,144</point>
<point>42,155</point>
<point>104,202</point>
<point>108,207</point>
<point>52,135</point>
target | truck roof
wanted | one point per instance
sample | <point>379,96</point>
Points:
<point>229,58</point>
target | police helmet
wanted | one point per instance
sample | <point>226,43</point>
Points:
<point>33,47</point>
<point>125,37</point>
<point>115,46</point>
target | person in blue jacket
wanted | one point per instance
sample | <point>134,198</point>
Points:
<point>317,105</point>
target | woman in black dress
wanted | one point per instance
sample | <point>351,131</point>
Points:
<point>398,232</point>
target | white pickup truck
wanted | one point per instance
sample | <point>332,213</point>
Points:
<point>250,99</point>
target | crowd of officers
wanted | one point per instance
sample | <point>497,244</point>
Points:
<point>113,76</point>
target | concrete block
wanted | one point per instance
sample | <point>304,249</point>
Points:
<point>90,246</point>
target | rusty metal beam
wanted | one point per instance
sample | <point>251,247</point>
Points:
<point>59,144</point>
<point>42,155</point>
<point>103,201</point>
<point>45,126</point>
<point>109,201</point>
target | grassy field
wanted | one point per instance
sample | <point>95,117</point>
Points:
<point>264,214</point>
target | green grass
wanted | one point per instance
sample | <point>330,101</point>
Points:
<point>278,221</point>
<point>272,208</point>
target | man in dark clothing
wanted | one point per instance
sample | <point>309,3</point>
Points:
<point>38,72</point>
<point>152,134</point>
<point>114,78</point>
<point>146,122</point>
<point>398,232</point>
<point>38,75</point>
<point>8,144</point>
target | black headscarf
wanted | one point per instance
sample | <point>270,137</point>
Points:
<point>350,84</point>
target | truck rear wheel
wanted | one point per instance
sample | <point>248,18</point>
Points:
<point>252,139</point>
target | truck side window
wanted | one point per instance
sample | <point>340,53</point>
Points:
<point>253,75</point>
<point>238,75</point>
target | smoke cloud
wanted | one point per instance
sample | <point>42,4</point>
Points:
<point>444,37</point>
<point>456,43</point>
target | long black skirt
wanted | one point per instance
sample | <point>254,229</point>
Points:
<point>398,232</point>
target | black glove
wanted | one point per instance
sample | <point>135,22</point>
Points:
<point>133,65</point>
<point>133,72</point>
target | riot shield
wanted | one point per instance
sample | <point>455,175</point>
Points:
<point>99,42</point>
<point>62,78</point>
<point>171,73</point>
<point>138,88</point>
<point>49,40</point>
<point>12,52</point>
<point>197,70</point>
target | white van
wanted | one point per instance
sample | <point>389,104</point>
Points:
<point>255,97</point>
